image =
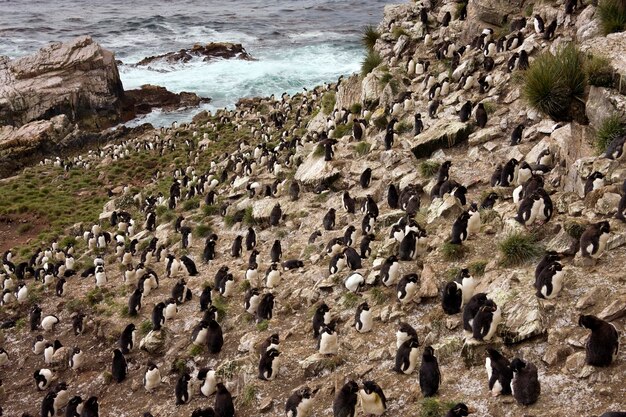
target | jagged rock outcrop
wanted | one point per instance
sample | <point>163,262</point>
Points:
<point>212,50</point>
<point>496,12</point>
<point>78,78</point>
<point>148,97</point>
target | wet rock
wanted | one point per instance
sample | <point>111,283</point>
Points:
<point>428,283</point>
<point>208,52</point>
<point>444,134</point>
<point>149,97</point>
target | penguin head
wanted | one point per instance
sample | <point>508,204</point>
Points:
<point>305,392</point>
<point>351,387</point>
<point>517,365</point>
<point>185,377</point>
<point>604,227</point>
<point>493,354</point>
<point>274,339</point>
<point>323,308</point>
<point>412,278</point>
<point>369,387</point>
<point>273,353</point>
<point>461,410</point>
<point>429,353</point>
<point>364,306</point>
<point>464,273</point>
<point>589,321</point>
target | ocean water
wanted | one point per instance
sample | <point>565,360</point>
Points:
<point>296,43</point>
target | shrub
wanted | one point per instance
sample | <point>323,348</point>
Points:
<point>356,108</point>
<point>552,82</point>
<point>192,203</point>
<point>202,230</point>
<point>599,71</point>
<point>350,300</point>
<point>342,130</point>
<point>611,127</point>
<point>384,80</point>
<point>328,102</point>
<point>248,217</point>
<point>612,15</point>
<point>404,127</point>
<point>399,31</point>
<point>477,268</point>
<point>248,395</point>
<point>362,148</point>
<point>453,252</point>
<point>24,228</point>
<point>369,37</point>
<point>262,326</point>
<point>574,229</point>
<point>195,350</point>
<point>379,296</point>
<point>371,61</point>
<point>518,248</point>
<point>145,327</point>
<point>381,123</point>
<point>429,168</point>
<point>431,407</point>
<point>210,210</point>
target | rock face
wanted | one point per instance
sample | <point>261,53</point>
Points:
<point>496,12</point>
<point>443,135</point>
<point>213,50</point>
<point>143,100</point>
<point>78,79</point>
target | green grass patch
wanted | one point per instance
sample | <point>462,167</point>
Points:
<point>612,15</point>
<point>574,229</point>
<point>210,210</point>
<point>404,127</point>
<point>599,71</point>
<point>381,122</point>
<point>429,168</point>
<point>191,204</point>
<point>369,37</point>
<point>195,350</point>
<point>379,296</point>
<point>328,102</point>
<point>342,130</point>
<point>362,148</point>
<point>611,128</point>
<point>356,108</point>
<point>24,228</point>
<point>248,217</point>
<point>263,326</point>
<point>399,31</point>
<point>371,61</point>
<point>202,230</point>
<point>477,268</point>
<point>452,252</point>
<point>248,395</point>
<point>222,308</point>
<point>552,82</point>
<point>490,107</point>
<point>319,151</point>
<point>518,248</point>
<point>350,300</point>
<point>145,327</point>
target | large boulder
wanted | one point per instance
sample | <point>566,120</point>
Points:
<point>496,12</point>
<point>349,92</point>
<point>315,170</point>
<point>78,78</point>
<point>444,134</point>
<point>144,99</point>
<point>33,133</point>
<point>208,52</point>
<point>613,47</point>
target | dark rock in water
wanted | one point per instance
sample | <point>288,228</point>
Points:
<point>209,51</point>
<point>78,79</point>
<point>143,100</point>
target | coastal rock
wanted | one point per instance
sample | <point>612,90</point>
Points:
<point>349,92</point>
<point>444,134</point>
<point>33,133</point>
<point>315,170</point>
<point>144,99</point>
<point>496,12</point>
<point>208,52</point>
<point>78,78</point>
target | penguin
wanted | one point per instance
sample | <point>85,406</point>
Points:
<point>327,343</point>
<point>236,249</point>
<point>189,265</point>
<point>290,264</point>
<point>269,365</point>
<point>486,321</point>
<point>276,252</point>
<point>275,215</point>
<point>349,235</point>
<point>252,300</point>
<point>90,408</point>
<point>348,203</point>
<point>205,298</point>
<point>77,359</point>
<point>320,318</point>
<point>549,32</point>
<point>522,63</point>
<point>389,271</point>
<point>127,339</point>
<point>183,391</point>
<point>47,352</point>
<point>181,292</point>
<point>432,109</point>
<point>101,277</point>
<point>353,259</point>
<point>152,377</point>
<point>460,228</point>
<point>366,178</point>
<point>48,323</point>
<point>119,368</point>
<point>373,400</point>
<point>201,412</point>
<point>615,148</point>
<point>499,373</point>
<point>452,298</point>
<point>511,64</point>
<point>418,125</point>
<point>209,381</point>
<point>328,221</point>
<point>39,345</point>
<point>215,338</point>
<point>538,24</point>
<point>525,386</point>
<point>158,317</point>
<point>481,115</point>
<point>200,333</point>
<point>209,251</point>
<point>224,406</point>
<point>345,401</point>
<point>74,404</point>
<point>43,378</point>
<point>603,343</point>
<point>250,239</point>
<point>363,318</point>
<point>474,222</point>
<point>496,177</point>
<point>265,307</point>
<point>459,410</point>
<point>549,258</point>
<point>550,281</point>
<point>406,355</point>
<point>621,208</point>
<point>407,288</point>
<point>516,135</point>
<point>429,375</point>
<point>407,249</point>
<point>35,317</point>
<point>364,246</point>
<point>61,396</point>
<point>594,239</point>
<point>508,172</point>
<point>594,182</point>
<point>134,302</point>
<point>47,405</point>
<point>299,403</point>
<point>226,285</point>
<point>466,111</point>
<point>471,308</point>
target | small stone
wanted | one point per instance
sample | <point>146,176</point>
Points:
<point>452,324</point>
<point>266,405</point>
<point>589,299</point>
<point>428,283</point>
<point>575,362</point>
<point>376,354</point>
<point>362,369</point>
<point>384,314</point>
<point>555,354</point>
<point>615,310</point>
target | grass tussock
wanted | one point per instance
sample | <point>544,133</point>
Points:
<point>202,230</point>
<point>429,168</point>
<point>195,350</point>
<point>575,229</point>
<point>404,127</point>
<point>611,128</point>
<point>477,268</point>
<point>342,130</point>
<point>328,102</point>
<point>599,71</point>
<point>399,31</point>
<point>369,37</point>
<point>356,108</point>
<point>362,148</point>
<point>379,296</point>
<point>350,300</point>
<point>381,122</point>
<point>371,61</point>
<point>518,248</point>
<point>452,252</point>
<point>248,395</point>
<point>552,82</point>
<point>612,15</point>
<point>263,326</point>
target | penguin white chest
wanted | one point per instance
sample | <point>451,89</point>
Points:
<point>413,355</point>
<point>228,288</point>
<point>209,385</point>
<point>410,290</point>
<point>371,403</point>
<point>366,321</point>
<point>354,281</point>
<point>467,288</point>
<point>170,311</point>
<point>602,241</point>
<point>273,279</point>
<point>496,320</point>
<point>152,379</point>
<point>473,224</point>
<point>254,304</point>
<point>328,344</point>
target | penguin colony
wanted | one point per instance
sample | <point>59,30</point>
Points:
<point>184,284</point>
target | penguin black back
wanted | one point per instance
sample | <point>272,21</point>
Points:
<point>119,368</point>
<point>224,406</point>
<point>345,401</point>
<point>603,342</point>
<point>429,375</point>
